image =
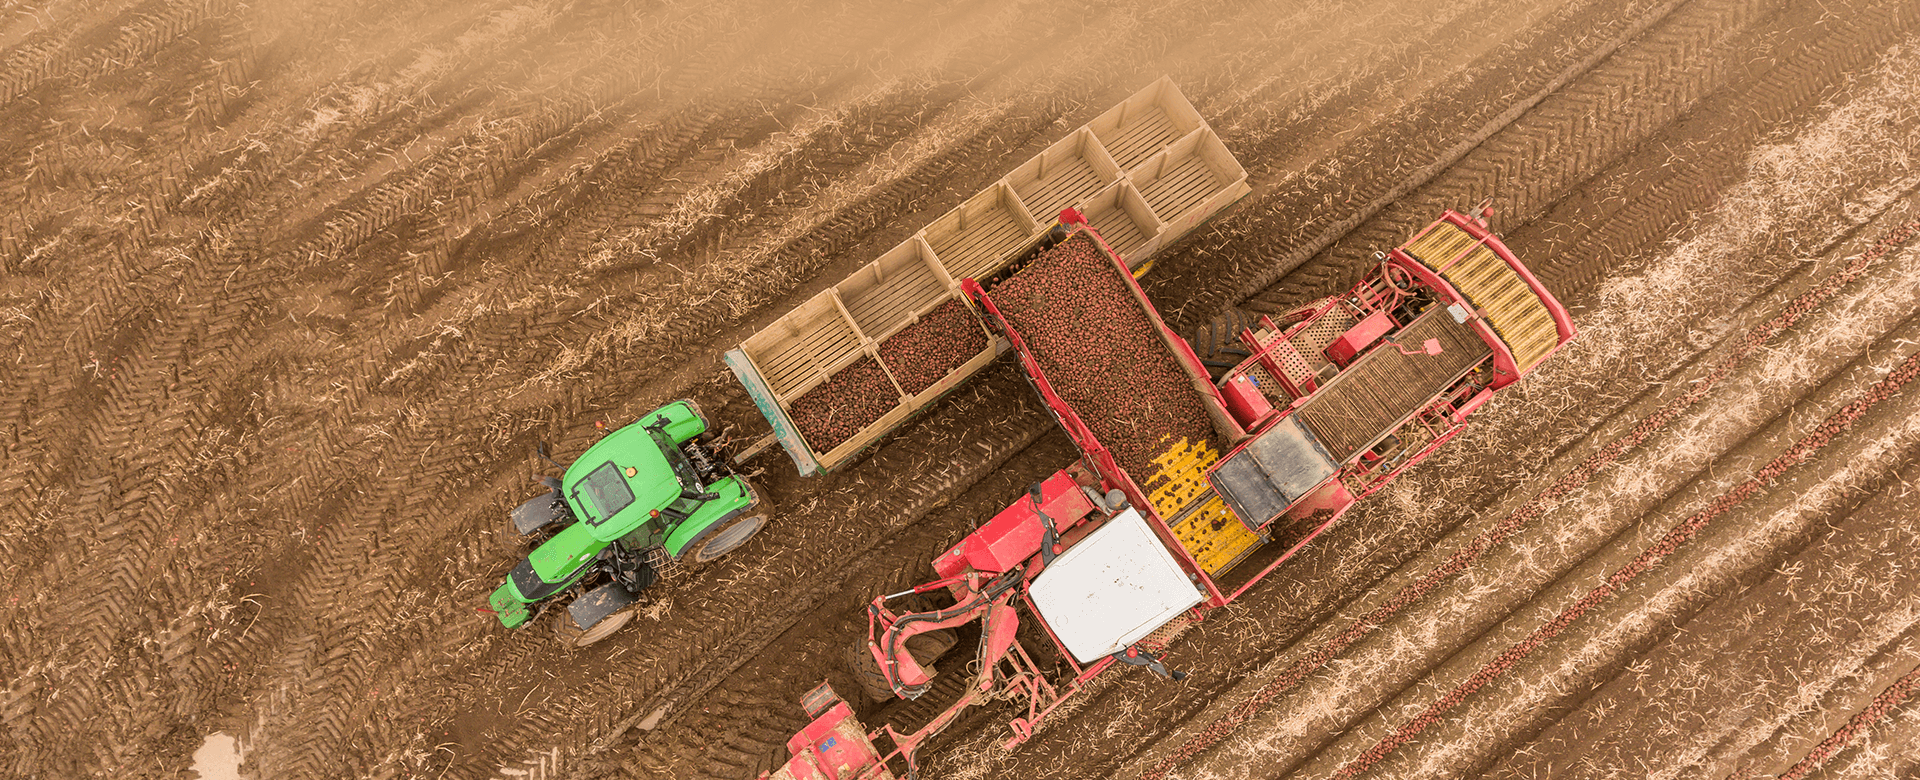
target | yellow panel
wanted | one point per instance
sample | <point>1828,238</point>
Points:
<point>1441,244</point>
<point>1182,475</point>
<point>1214,537</point>
<point>1211,534</point>
<point>1510,305</point>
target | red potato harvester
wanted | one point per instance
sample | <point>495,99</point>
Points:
<point>1190,487</point>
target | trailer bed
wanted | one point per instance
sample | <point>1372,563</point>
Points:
<point>1146,172</point>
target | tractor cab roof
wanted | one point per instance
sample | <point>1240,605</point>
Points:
<point>618,482</point>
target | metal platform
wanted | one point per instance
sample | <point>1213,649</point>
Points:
<point>1370,398</point>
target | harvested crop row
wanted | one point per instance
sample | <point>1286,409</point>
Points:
<point>851,399</point>
<point>1100,352</point>
<point>925,352</point>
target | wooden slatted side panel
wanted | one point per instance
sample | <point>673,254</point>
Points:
<point>803,346</point>
<point>1073,170</point>
<point>1150,132</point>
<point>1123,219</point>
<point>1514,310</point>
<point>889,293</point>
<point>1185,176</point>
<point>1145,123</point>
<point>973,241</point>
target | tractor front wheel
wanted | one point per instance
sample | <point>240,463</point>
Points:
<point>728,537</point>
<point>574,636</point>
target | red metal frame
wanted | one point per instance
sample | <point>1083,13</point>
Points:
<point>1093,451</point>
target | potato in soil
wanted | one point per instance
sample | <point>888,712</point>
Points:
<point>1101,353</point>
<point>925,352</point>
<point>833,411</point>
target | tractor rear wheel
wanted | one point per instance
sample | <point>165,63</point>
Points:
<point>728,537</point>
<point>574,636</point>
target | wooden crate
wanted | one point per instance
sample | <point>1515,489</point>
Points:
<point>1124,220</point>
<point>1144,173</point>
<point>895,290</point>
<point>975,239</point>
<point>804,347</point>
<point>1146,123</point>
<point>1067,173</point>
<point>1190,181</point>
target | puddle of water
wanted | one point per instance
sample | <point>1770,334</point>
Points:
<point>218,758</point>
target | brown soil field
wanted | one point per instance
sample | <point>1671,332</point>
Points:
<point>289,293</point>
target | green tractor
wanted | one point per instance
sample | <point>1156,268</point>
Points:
<point>660,484</point>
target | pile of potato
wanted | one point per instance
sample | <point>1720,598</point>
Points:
<point>925,352</point>
<point>852,399</point>
<point>1102,354</point>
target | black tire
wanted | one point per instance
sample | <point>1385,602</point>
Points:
<point>574,636</point>
<point>727,537</point>
<point>866,672</point>
<point>1217,342</point>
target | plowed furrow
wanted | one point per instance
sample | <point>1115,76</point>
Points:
<point>1784,645</point>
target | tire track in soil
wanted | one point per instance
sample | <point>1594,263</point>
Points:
<point>1831,615</point>
<point>748,736</point>
<point>332,566</point>
<point>1296,219</point>
<point>1693,68</point>
<point>150,534</point>
<point>1894,701</point>
<point>115,44</point>
<point>1756,342</point>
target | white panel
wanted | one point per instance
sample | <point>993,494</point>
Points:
<point>1112,589</point>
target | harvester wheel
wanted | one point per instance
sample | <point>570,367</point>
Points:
<point>866,671</point>
<point>573,636</point>
<point>1217,342</point>
<point>728,537</point>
